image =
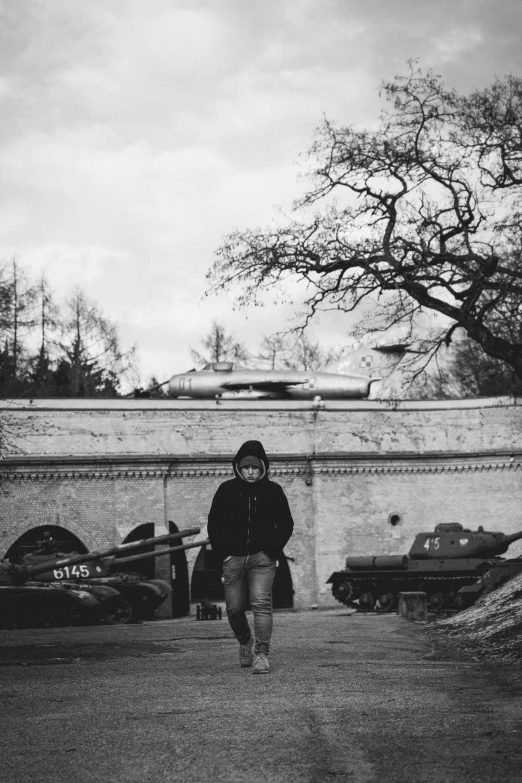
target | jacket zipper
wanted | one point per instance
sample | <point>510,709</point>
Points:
<point>248,525</point>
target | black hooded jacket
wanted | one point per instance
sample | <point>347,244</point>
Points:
<point>248,518</point>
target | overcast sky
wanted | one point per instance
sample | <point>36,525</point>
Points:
<point>136,134</point>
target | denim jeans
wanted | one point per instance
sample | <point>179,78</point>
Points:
<point>248,580</point>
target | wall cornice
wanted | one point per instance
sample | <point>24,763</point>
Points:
<point>151,466</point>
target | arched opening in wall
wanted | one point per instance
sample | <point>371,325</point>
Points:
<point>283,590</point>
<point>146,566</point>
<point>179,577</point>
<point>206,577</point>
<point>45,540</point>
<point>206,580</point>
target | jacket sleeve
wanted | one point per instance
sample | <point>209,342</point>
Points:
<point>283,523</point>
<point>215,525</point>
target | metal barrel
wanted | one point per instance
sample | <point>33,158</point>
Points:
<point>381,562</point>
<point>507,540</point>
<point>50,565</point>
<point>115,561</point>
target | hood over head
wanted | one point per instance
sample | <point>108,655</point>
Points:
<point>255,462</point>
<point>251,448</point>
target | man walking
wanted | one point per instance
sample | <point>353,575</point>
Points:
<point>249,524</point>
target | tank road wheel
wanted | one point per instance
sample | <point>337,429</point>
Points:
<point>366,602</point>
<point>386,602</point>
<point>436,601</point>
<point>118,612</point>
<point>342,591</point>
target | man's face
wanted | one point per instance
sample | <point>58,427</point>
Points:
<point>251,473</point>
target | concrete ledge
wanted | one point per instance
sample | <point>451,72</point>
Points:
<point>131,404</point>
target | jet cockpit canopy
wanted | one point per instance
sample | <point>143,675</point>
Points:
<point>219,366</point>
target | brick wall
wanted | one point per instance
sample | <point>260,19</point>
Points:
<point>101,468</point>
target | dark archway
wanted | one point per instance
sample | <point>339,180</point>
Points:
<point>179,576</point>
<point>206,580</point>
<point>178,566</point>
<point>146,566</point>
<point>46,539</point>
<point>206,577</point>
<point>283,590</point>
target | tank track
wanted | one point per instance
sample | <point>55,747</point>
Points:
<point>368,593</point>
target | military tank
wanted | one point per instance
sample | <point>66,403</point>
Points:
<point>439,563</point>
<point>26,602</point>
<point>138,597</point>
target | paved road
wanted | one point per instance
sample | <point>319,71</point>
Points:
<point>350,698</point>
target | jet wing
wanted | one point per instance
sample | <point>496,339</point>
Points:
<point>272,387</point>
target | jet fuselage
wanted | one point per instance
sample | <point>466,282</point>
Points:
<point>268,384</point>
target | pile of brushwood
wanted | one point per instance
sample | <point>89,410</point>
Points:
<point>490,629</point>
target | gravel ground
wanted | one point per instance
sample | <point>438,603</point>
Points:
<point>350,698</point>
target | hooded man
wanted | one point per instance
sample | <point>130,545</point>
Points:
<point>249,524</point>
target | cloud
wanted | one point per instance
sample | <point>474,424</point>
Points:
<point>137,134</point>
<point>454,44</point>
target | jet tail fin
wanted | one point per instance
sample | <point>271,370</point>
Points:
<point>373,361</point>
<point>377,362</point>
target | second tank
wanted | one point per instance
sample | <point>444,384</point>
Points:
<point>439,563</point>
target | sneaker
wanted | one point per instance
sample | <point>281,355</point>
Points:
<point>245,654</point>
<point>261,665</point>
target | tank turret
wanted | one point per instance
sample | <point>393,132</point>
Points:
<point>140,597</point>
<point>439,563</point>
<point>453,540</point>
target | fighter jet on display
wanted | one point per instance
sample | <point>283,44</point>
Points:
<point>221,380</point>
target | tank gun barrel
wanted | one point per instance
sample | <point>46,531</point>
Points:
<point>144,542</point>
<point>117,560</point>
<point>50,565</point>
<point>507,540</point>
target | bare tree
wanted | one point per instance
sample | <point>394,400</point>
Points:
<point>17,319</point>
<point>92,362</point>
<point>309,354</point>
<point>273,351</point>
<point>295,350</point>
<point>47,350</point>
<point>220,347</point>
<point>47,321</point>
<point>466,371</point>
<point>421,216</point>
